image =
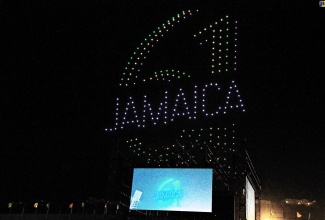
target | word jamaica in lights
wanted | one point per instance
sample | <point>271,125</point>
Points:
<point>186,104</point>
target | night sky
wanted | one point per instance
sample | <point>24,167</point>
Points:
<point>62,61</point>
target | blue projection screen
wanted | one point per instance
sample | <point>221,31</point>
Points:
<point>172,189</point>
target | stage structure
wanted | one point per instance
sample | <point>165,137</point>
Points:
<point>179,107</point>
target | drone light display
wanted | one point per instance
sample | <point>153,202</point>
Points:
<point>158,95</point>
<point>169,109</point>
<point>191,103</point>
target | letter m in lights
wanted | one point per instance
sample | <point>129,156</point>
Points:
<point>148,112</point>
